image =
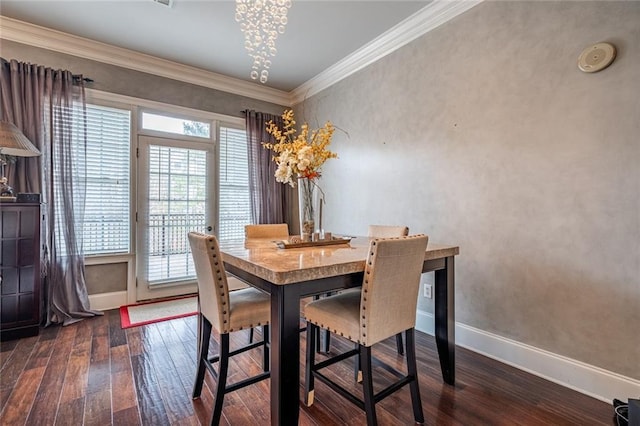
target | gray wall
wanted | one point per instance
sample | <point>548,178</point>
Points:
<point>122,81</point>
<point>106,278</point>
<point>484,133</point>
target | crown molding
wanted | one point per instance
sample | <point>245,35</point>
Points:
<point>431,16</point>
<point>426,19</point>
<point>34,35</point>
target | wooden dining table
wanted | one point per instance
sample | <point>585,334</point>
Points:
<point>289,274</point>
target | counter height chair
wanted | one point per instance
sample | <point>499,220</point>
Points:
<point>225,311</point>
<point>275,230</point>
<point>376,231</point>
<point>385,307</point>
<point>387,231</point>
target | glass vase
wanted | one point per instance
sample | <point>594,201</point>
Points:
<point>310,208</point>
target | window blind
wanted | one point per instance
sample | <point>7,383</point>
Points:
<point>106,221</point>
<point>177,204</point>
<point>234,184</point>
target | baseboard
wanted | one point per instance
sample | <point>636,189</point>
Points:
<point>106,301</point>
<point>579,376</point>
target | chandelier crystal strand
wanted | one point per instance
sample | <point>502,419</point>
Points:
<point>261,21</point>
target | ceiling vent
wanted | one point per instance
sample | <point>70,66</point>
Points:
<point>168,3</point>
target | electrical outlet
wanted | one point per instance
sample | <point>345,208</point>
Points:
<point>427,291</point>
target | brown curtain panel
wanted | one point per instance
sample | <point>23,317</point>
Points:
<point>48,106</point>
<point>270,200</point>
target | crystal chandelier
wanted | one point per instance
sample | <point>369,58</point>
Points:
<point>261,21</point>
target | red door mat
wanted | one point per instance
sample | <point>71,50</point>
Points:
<point>150,312</point>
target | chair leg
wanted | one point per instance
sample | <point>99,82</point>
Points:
<point>320,345</point>
<point>357,370</point>
<point>251,335</point>
<point>367,386</point>
<point>312,331</point>
<point>222,379</point>
<point>399,344</point>
<point>327,341</point>
<point>265,347</point>
<point>412,371</point>
<point>204,336</point>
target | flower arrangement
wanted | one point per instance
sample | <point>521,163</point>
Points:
<point>299,154</point>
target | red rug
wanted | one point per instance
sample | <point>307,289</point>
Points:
<point>156,311</point>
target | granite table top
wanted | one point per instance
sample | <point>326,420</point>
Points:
<point>262,258</point>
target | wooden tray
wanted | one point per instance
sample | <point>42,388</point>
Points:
<point>332,242</point>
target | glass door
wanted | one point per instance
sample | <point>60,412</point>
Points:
<point>176,196</point>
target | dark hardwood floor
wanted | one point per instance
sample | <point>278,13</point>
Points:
<point>95,373</point>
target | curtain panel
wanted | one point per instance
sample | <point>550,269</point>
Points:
<point>48,106</point>
<point>270,200</point>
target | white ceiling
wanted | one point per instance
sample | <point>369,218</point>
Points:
<point>203,33</point>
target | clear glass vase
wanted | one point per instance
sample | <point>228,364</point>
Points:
<point>310,208</point>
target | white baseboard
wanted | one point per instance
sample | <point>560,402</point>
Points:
<point>579,376</point>
<point>106,301</point>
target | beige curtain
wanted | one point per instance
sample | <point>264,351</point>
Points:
<point>48,106</point>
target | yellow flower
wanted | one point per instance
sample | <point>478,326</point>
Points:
<point>301,154</point>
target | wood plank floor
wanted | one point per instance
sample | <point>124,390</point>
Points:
<point>95,373</point>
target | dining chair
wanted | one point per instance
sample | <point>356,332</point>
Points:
<point>225,311</point>
<point>388,231</point>
<point>270,230</point>
<point>385,307</point>
<point>376,231</point>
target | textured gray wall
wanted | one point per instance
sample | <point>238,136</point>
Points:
<point>484,133</point>
<point>113,79</point>
<point>106,278</point>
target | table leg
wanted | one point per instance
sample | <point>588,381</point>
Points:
<point>445,320</point>
<point>285,355</point>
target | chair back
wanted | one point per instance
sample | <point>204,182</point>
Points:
<point>213,294</point>
<point>275,230</point>
<point>390,287</point>
<point>385,231</point>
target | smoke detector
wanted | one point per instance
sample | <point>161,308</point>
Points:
<point>168,3</point>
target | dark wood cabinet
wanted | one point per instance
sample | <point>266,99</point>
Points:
<point>21,285</point>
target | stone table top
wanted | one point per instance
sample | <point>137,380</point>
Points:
<point>262,258</point>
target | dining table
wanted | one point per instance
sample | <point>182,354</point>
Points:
<point>290,274</point>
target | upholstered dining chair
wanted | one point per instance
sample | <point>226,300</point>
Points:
<point>388,231</point>
<point>275,230</point>
<point>385,307</point>
<point>225,311</point>
<point>376,231</point>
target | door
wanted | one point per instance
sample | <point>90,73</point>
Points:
<point>176,195</point>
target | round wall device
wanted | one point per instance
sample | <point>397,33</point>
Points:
<point>597,57</point>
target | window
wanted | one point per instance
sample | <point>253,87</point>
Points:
<point>107,212</point>
<point>234,202</point>
<point>179,126</point>
<point>177,199</point>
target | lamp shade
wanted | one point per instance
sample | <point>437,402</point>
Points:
<point>14,142</point>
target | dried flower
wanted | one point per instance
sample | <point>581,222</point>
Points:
<point>301,154</point>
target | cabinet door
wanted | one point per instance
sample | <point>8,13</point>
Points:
<point>20,266</point>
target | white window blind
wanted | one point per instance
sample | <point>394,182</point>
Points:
<point>107,218</point>
<point>234,184</point>
<point>177,204</point>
